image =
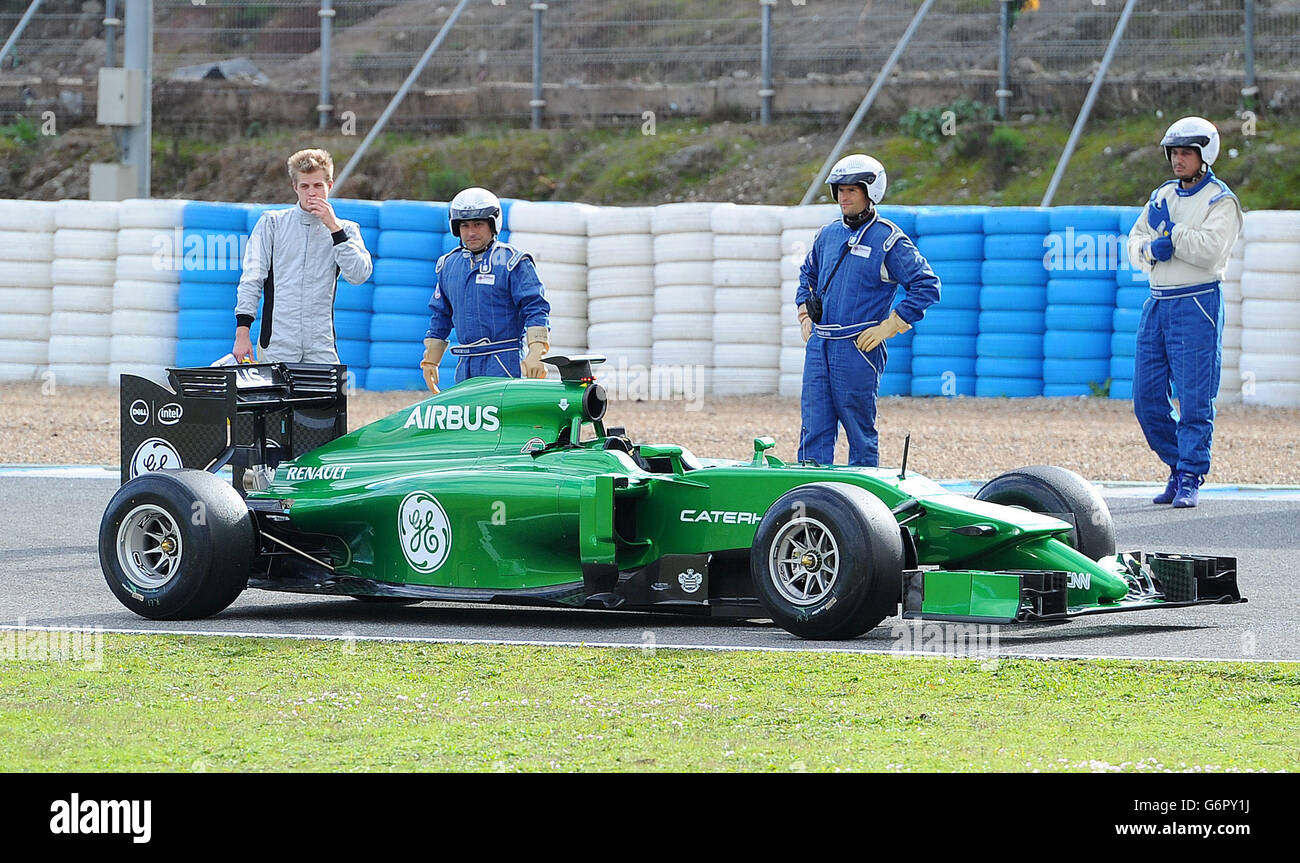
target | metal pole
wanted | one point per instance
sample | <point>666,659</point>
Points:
<point>1249,90</point>
<point>766,92</point>
<point>138,54</point>
<point>1004,59</point>
<point>537,103</point>
<point>326,14</point>
<point>1082,119</point>
<point>866,102</point>
<point>111,25</point>
<point>18,29</point>
<point>401,93</point>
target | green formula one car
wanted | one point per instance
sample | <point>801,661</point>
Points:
<point>515,491</point>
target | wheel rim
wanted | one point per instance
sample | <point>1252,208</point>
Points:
<point>804,561</point>
<point>149,546</point>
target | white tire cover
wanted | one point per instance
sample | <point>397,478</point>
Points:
<point>142,322</point>
<point>613,310</point>
<point>1257,285</point>
<point>745,382</point>
<point>1275,394</point>
<point>80,350</point>
<point>620,250</point>
<point>620,282</point>
<point>1270,366</point>
<point>558,276</point>
<point>1231,315</point>
<point>94,215</point>
<point>26,246</point>
<point>747,274</point>
<point>567,304</point>
<point>733,356</point>
<point>681,218</point>
<point>603,338</point>
<point>1233,270</point>
<point>797,241</point>
<point>75,271</point>
<point>1232,359</point>
<point>746,329</point>
<point>568,331</point>
<point>1268,342</point>
<point>145,268</point>
<point>620,363</point>
<point>551,248</point>
<point>682,352</point>
<point>746,219</point>
<point>683,247</point>
<point>791,337</point>
<point>813,216</point>
<point>148,241</point>
<point>150,213</point>
<point>681,327</point>
<point>94,324</point>
<point>26,301</point>
<point>79,374</point>
<point>789,290</point>
<point>790,266</point>
<point>684,273</point>
<point>27,216</point>
<point>21,371</point>
<point>684,299</point>
<point>1231,291</point>
<point>747,247</point>
<point>24,350</point>
<point>791,361</point>
<point>549,218</point>
<point>1232,337</point>
<point>85,244</point>
<point>1274,257</point>
<point>24,326</point>
<point>1270,314</point>
<point>150,296</point>
<point>135,350</point>
<point>1272,226</point>
<point>26,274</point>
<point>605,221</point>
<point>790,386</point>
<point>763,301</point>
<point>82,298</point>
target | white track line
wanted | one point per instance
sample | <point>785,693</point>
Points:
<point>715,648</point>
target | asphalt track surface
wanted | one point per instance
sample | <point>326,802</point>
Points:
<point>50,577</point>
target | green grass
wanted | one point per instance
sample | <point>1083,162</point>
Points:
<point>225,704</point>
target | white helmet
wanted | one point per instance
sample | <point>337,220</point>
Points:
<point>859,170</point>
<point>1195,132</point>
<point>474,203</point>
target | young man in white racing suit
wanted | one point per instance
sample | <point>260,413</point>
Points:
<point>294,257</point>
<point>1184,239</point>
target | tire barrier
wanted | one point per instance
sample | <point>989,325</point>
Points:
<point>26,288</point>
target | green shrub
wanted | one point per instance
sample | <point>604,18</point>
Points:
<point>1006,145</point>
<point>444,183</point>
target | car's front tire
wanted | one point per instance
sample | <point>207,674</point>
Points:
<point>827,561</point>
<point>176,544</point>
<point>1054,490</point>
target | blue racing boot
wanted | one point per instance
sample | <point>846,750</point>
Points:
<point>1187,495</point>
<point>1171,489</point>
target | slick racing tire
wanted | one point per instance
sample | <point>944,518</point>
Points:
<point>827,561</point>
<point>1056,491</point>
<point>176,544</point>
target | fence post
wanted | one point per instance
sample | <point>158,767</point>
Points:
<point>1249,90</point>
<point>766,92</point>
<point>1004,59</point>
<point>137,53</point>
<point>326,14</point>
<point>537,103</point>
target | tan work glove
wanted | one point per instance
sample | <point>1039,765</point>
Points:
<point>433,351</point>
<point>538,339</point>
<point>805,324</point>
<point>891,326</point>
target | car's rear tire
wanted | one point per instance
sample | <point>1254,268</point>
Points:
<point>176,544</point>
<point>827,561</point>
<point>1054,490</point>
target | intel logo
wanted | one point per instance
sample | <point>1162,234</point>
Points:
<point>170,414</point>
<point>139,412</point>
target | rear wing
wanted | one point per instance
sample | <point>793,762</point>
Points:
<point>245,415</point>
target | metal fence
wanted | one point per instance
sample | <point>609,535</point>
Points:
<point>375,44</point>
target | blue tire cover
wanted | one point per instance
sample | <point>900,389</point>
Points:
<point>1123,344</point>
<point>995,387</point>
<point>1076,371</point>
<point>923,366</point>
<point>1013,247</point>
<point>959,295</point>
<point>1131,298</point>
<point>396,355</point>
<point>900,358</point>
<point>213,255</point>
<point>966,272</point>
<point>413,216</point>
<point>1084,254</point>
<point>354,353</point>
<point>203,352</point>
<point>943,386</point>
<point>1089,218</point>
<point>403,300</point>
<point>1121,388</point>
<point>253,212</point>
<point>355,297</point>
<point>1081,292</point>
<point>1017,220</point>
<point>1076,345</point>
<point>1125,320</point>
<point>942,345</point>
<point>352,325</point>
<point>1121,367</point>
<point>364,213</point>
<point>207,295</point>
<point>951,247</point>
<point>895,384</point>
<point>206,324</point>
<point>1026,323</point>
<point>1072,390</point>
<point>950,220</point>
<point>1005,273</point>
<point>1128,217</point>
<point>903,217</point>
<point>405,271</point>
<point>957,322</point>
<point>1090,319</point>
<point>381,379</point>
<point>1009,367</point>
<point>386,327</point>
<point>1014,298</point>
<point>1019,345</point>
<point>418,245</point>
<point>214,215</point>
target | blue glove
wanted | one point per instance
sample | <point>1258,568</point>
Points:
<point>1159,219</point>
<point>1162,248</point>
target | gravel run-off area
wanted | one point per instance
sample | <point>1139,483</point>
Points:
<point>958,438</point>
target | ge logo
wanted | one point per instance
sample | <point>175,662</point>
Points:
<point>424,530</point>
<point>154,454</point>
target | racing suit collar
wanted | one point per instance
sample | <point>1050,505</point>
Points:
<point>1187,193</point>
<point>305,217</point>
